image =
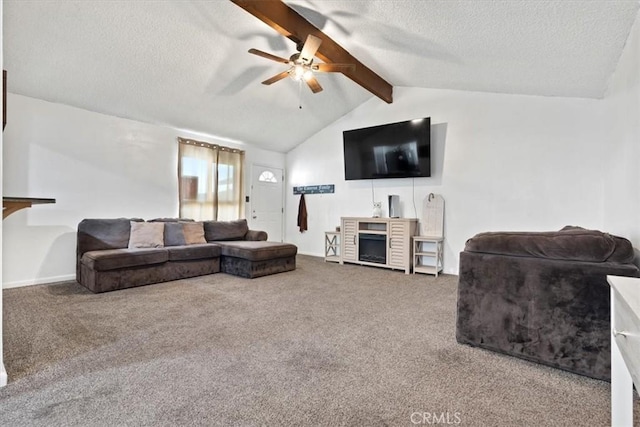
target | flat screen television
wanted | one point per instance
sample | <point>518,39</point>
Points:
<point>393,150</point>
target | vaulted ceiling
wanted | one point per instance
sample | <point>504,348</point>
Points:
<point>185,63</point>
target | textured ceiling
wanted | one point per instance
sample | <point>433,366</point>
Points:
<point>185,63</point>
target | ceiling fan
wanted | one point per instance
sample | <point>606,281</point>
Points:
<point>289,23</point>
<point>302,66</point>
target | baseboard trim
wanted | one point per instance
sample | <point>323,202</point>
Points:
<point>311,254</point>
<point>39,281</point>
<point>451,271</point>
<point>3,376</point>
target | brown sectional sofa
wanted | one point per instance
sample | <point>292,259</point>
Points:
<point>104,261</point>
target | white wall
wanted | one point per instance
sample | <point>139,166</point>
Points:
<point>3,372</point>
<point>95,166</point>
<point>622,138</point>
<point>501,162</point>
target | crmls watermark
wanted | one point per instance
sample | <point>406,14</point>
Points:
<point>441,418</point>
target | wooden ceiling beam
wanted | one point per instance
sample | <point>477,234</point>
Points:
<point>292,25</point>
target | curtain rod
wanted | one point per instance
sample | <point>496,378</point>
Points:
<point>208,145</point>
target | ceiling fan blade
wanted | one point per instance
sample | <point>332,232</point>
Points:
<point>268,56</point>
<point>313,84</point>
<point>333,68</point>
<point>276,78</point>
<point>310,48</point>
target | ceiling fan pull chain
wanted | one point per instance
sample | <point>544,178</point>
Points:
<point>300,94</point>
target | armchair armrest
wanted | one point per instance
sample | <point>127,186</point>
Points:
<point>256,235</point>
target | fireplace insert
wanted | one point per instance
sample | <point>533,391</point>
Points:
<point>373,248</point>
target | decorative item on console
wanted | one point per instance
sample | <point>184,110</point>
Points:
<point>394,206</point>
<point>377,209</point>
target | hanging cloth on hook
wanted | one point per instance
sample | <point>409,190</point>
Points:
<point>302,214</point>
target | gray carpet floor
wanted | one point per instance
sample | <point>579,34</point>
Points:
<point>323,345</point>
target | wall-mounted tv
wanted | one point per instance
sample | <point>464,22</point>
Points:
<point>393,150</point>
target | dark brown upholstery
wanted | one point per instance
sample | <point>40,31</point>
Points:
<point>99,234</point>
<point>256,235</point>
<point>105,263</point>
<point>112,259</point>
<point>225,230</point>
<point>623,251</point>
<point>252,259</point>
<point>170,220</point>
<point>543,297</point>
<point>252,269</point>
<point>572,245</point>
<point>257,250</point>
<point>189,252</point>
<point>173,234</point>
<point>104,281</point>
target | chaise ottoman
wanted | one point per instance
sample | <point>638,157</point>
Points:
<point>256,258</point>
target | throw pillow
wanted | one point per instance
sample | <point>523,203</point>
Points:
<point>173,235</point>
<point>193,233</point>
<point>146,235</point>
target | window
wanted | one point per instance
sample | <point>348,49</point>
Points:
<point>267,176</point>
<point>210,177</point>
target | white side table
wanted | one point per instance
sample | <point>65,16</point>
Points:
<point>427,254</point>
<point>625,347</point>
<point>332,246</point>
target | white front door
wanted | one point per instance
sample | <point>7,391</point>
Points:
<point>267,201</point>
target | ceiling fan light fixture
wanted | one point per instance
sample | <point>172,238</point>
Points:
<point>307,74</point>
<point>302,66</point>
<point>300,72</point>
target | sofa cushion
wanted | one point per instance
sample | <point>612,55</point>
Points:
<point>146,235</point>
<point>225,230</point>
<point>257,250</point>
<point>575,245</point>
<point>97,234</point>
<point>113,259</point>
<point>191,252</point>
<point>623,252</point>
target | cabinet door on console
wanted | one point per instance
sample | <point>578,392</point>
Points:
<point>349,239</point>
<point>398,244</point>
